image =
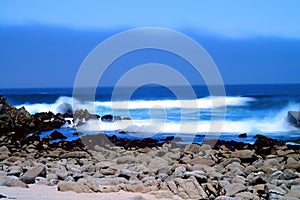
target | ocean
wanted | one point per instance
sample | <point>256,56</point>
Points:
<point>156,112</point>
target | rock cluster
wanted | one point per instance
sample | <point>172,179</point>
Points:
<point>167,171</point>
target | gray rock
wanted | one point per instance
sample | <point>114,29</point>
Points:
<point>126,159</point>
<point>247,196</point>
<point>274,192</point>
<point>294,192</point>
<point>276,174</point>
<point>239,179</point>
<point>92,185</point>
<point>9,181</point>
<point>234,188</point>
<point>293,165</point>
<point>192,148</point>
<point>289,174</point>
<point>244,155</point>
<point>158,163</point>
<point>162,194</point>
<point>179,171</point>
<point>293,118</point>
<point>162,176</point>
<point>29,176</point>
<point>111,181</point>
<point>108,171</point>
<point>272,163</point>
<point>189,188</point>
<point>138,197</point>
<point>73,186</point>
<point>225,198</point>
<point>75,154</point>
<point>197,174</point>
<point>4,150</point>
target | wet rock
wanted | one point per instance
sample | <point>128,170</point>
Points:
<point>293,118</point>
<point>57,135</point>
<point>73,186</point>
<point>83,115</point>
<point>9,181</point>
<point>117,118</point>
<point>242,135</point>
<point>29,176</point>
<point>65,108</point>
<point>107,118</point>
<point>263,145</point>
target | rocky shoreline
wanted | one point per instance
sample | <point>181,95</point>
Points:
<point>268,169</point>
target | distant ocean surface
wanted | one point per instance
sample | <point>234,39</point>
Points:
<point>155,111</point>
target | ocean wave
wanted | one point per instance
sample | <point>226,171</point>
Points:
<point>271,123</point>
<point>202,103</point>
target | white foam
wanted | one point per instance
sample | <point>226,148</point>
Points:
<point>202,103</point>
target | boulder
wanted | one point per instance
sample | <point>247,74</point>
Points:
<point>234,188</point>
<point>293,118</point>
<point>29,176</point>
<point>65,108</point>
<point>158,163</point>
<point>18,121</point>
<point>57,135</point>
<point>244,155</point>
<point>84,115</point>
<point>73,186</point>
<point>9,181</point>
<point>107,118</point>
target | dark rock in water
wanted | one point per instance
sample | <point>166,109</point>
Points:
<point>293,118</point>
<point>122,132</point>
<point>107,118</point>
<point>243,135</point>
<point>264,145</point>
<point>77,133</point>
<point>84,114</point>
<point>99,139</point>
<point>57,135</point>
<point>126,118</point>
<point>117,118</point>
<point>232,145</point>
<point>65,108</point>
<point>48,121</point>
<point>44,116</point>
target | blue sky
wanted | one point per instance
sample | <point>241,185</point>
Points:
<point>44,42</point>
<point>230,18</point>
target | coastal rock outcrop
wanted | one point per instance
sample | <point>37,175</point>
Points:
<point>13,119</point>
<point>293,118</point>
